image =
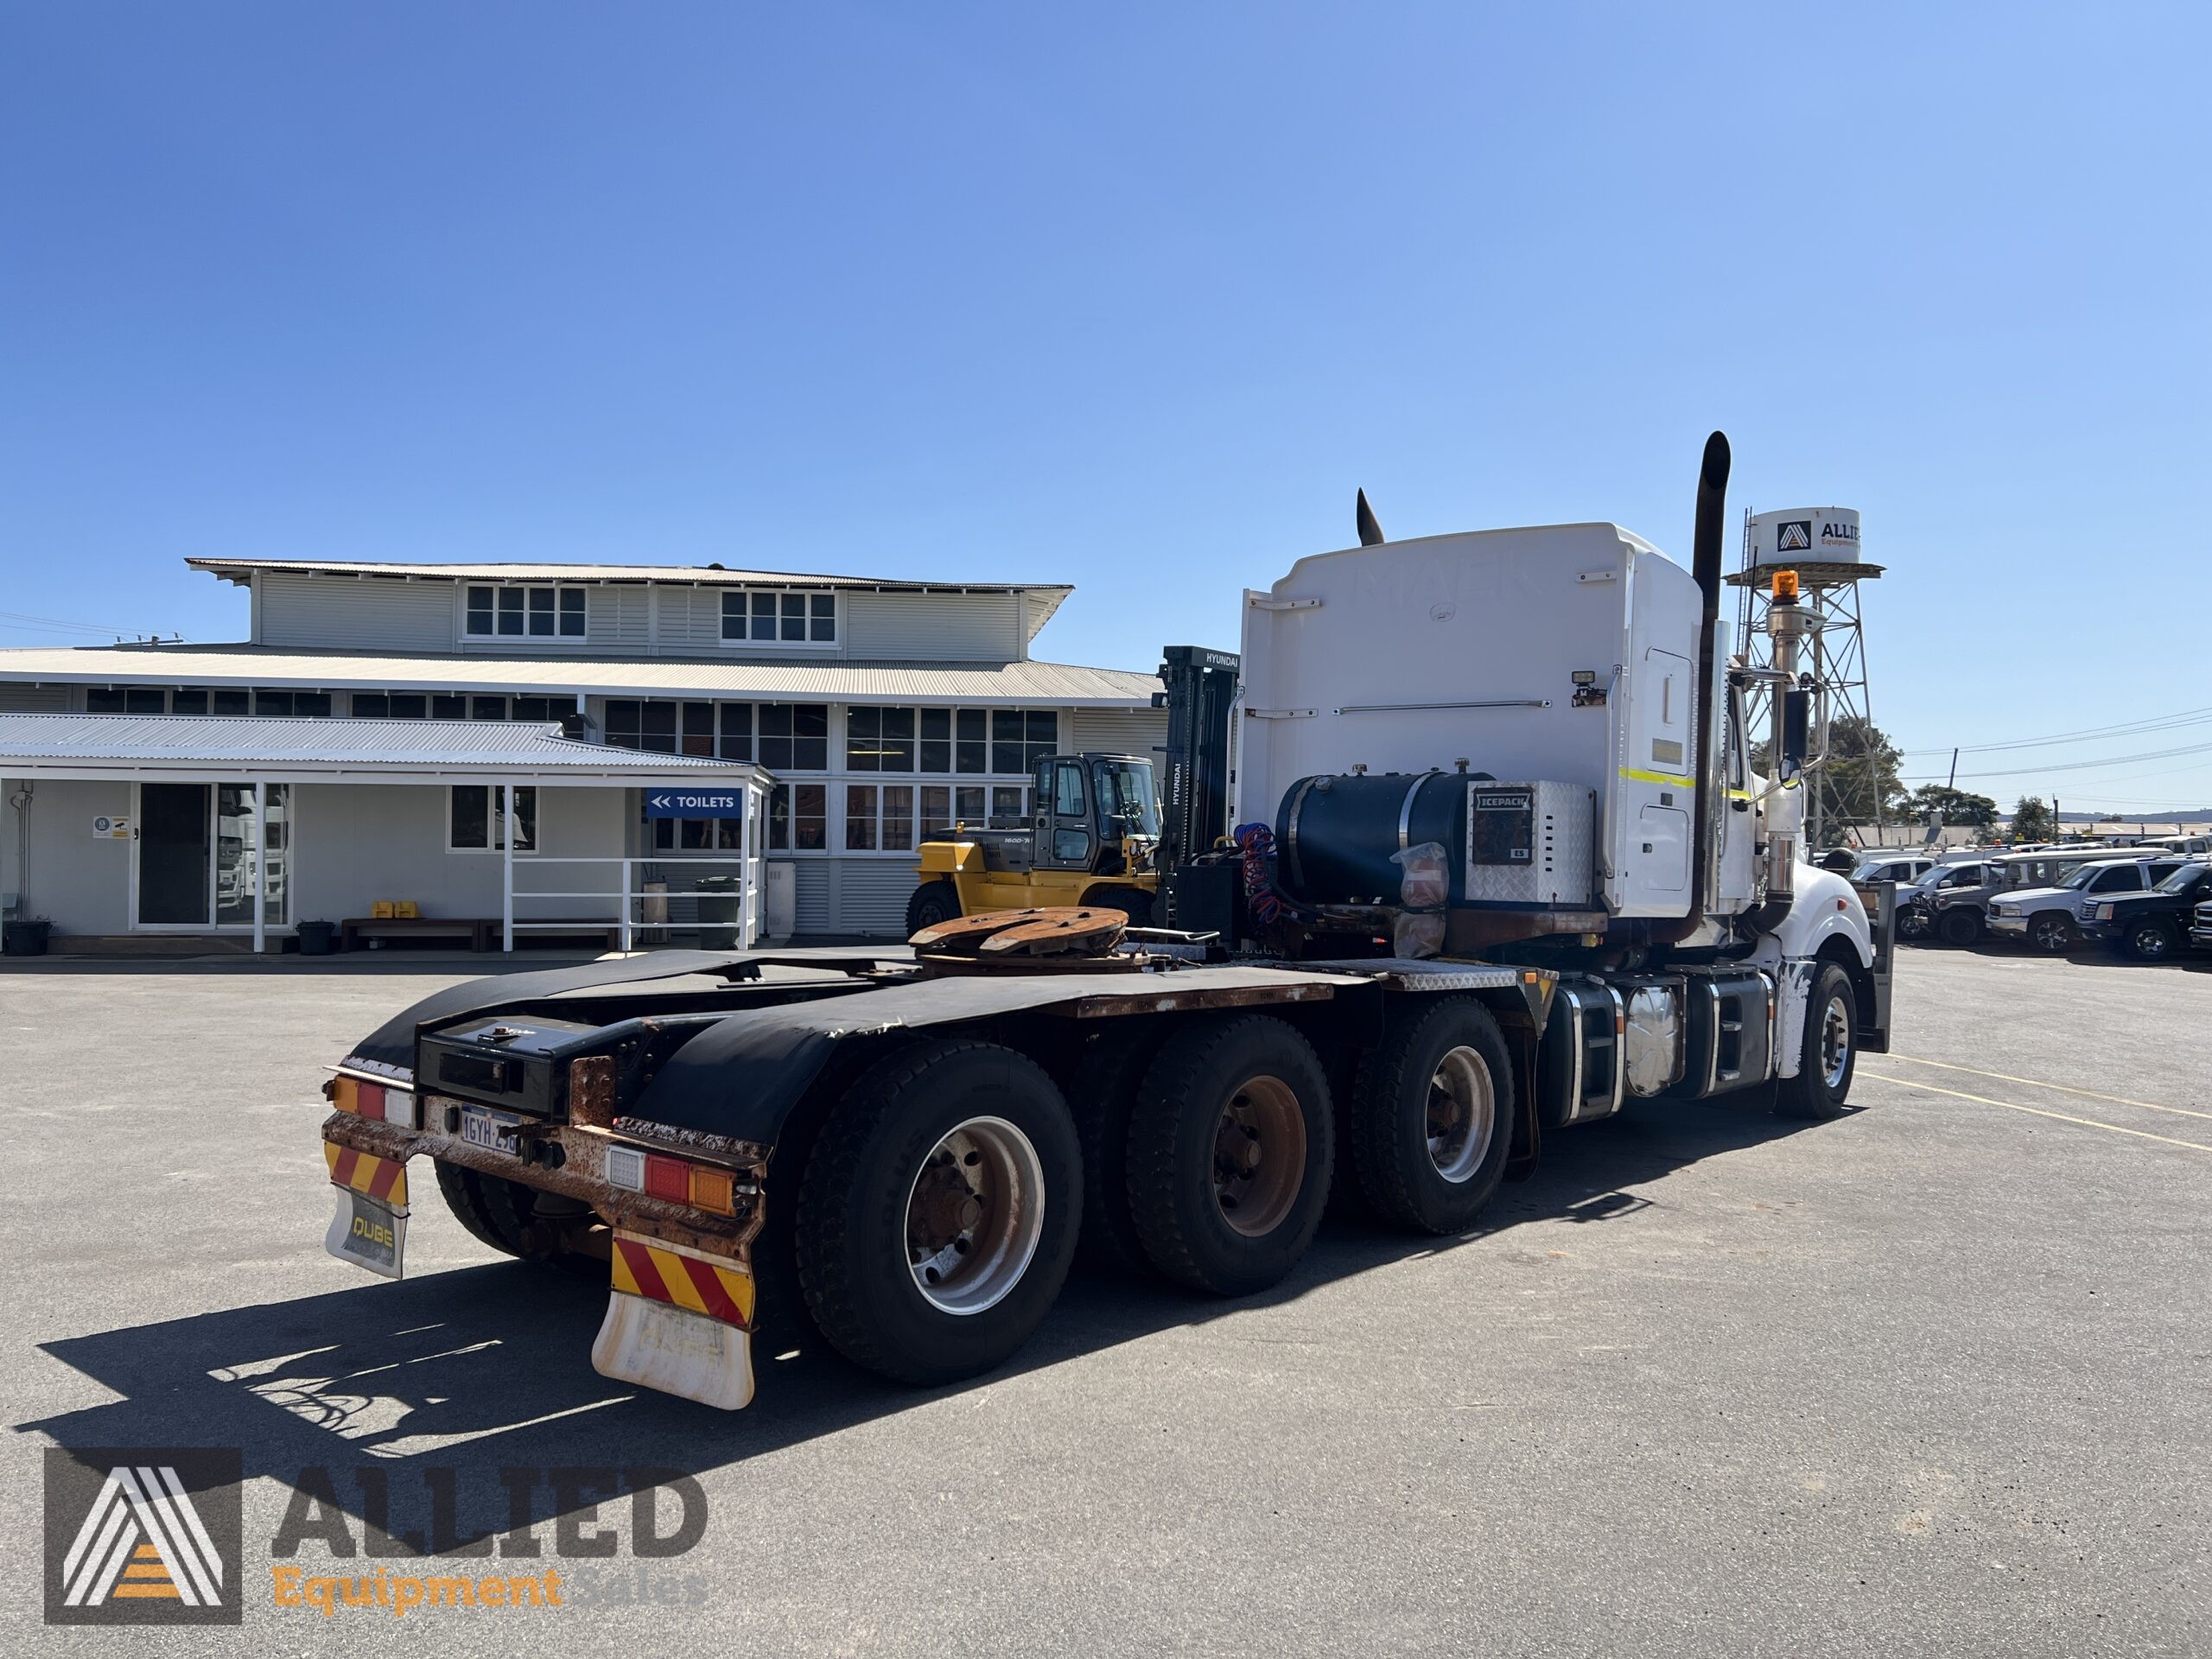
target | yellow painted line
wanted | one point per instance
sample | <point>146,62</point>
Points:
<point>2063,1089</point>
<point>2037,1111</point>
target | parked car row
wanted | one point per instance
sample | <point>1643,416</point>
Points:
<point>2150,901</point>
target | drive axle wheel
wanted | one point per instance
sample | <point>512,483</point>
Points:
<point>1431,1114</point>
<point>937,1216</point>
<point>1229,1155</point>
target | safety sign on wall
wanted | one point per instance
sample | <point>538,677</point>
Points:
<point>111,829</point>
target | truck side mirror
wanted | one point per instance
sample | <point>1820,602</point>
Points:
<point>1796,729</point>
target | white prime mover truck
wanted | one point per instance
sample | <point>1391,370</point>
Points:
<point>1498,866</point>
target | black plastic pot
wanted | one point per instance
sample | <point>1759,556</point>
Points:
<point>317,938</point>
<point>25,939</point>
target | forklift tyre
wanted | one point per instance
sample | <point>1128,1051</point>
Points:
<point>1229,1151</point>
<point>1959,927</point>
<point>930,904</point>
<point>938,1215</point>
<point>1432,1115</point>
<point>1829,1053</point>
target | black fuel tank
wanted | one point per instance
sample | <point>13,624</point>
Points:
<point>1335,834</point>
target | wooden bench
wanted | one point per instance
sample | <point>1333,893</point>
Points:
<point>482,932</point>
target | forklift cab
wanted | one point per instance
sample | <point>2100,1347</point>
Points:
<point>1086,805</point>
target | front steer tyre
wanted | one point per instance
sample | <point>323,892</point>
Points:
<point>931,903</point>
<point>1431,1114</point>
<point>1828,1052</point>
<point>938,1215</point>
<point>1229,1155</point>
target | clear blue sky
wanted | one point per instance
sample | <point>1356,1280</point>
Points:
<point>1133,297</point>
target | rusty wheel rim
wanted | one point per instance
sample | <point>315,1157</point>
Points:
<point>975,1213</point>
<point>1258,1156</point>
<point>1462,1115</point>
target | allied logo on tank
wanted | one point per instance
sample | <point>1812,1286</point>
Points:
<point>1839,535</point>
<point>1793,536</point>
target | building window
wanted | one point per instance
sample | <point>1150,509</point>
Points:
<point>798,819</point>
<point>781,619</point>
<point>514,611</point>
<point>945,807</point>
<point>188,700</point>
<point>312,705</point>
<point>880,739</point>
<point>475,824</point>
<point>879,817</point>
<point>794,736</point>
<point>126,700</point>
<point>1022,737</point>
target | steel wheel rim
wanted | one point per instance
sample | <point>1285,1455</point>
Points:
<point>1461,1115</point>
<point>1258,1156</point>
<point>1835,1042</point>
<point>975,1213</point>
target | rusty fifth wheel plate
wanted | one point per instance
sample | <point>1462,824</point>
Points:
<point>1002,934</point>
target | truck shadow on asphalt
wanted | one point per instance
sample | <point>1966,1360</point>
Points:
<point>487,1368</point>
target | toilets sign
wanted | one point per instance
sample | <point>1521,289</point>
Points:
<point>695,803</point>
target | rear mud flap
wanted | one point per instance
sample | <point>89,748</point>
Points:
<point>370,1227</point>
<point>679,1322</point>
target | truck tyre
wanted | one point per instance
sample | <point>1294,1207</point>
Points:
<point>938,1215</point>
<point>1828,1052</point>
<point>1102,1092</point>
<point>1432,1113</point>
<point>930,904</point>
<point>1230,1153</point>
<point>514,1219</point>
<point>2051,933</point>
<point>1959,927</point>
<point>2151,940</point>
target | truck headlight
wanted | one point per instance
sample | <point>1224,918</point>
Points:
<point>2101,912</point>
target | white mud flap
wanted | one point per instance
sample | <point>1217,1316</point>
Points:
<point>370,1227</point>
<point>678,1321</point>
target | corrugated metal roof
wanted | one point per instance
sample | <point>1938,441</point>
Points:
<point>707,575</point>
<point>220,739</point>
<point>783,680</point>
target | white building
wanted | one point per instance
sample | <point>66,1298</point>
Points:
<point>855,715</point>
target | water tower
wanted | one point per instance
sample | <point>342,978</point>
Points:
<point>1820,546</point>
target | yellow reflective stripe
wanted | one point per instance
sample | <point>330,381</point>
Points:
<point>1669,779</point>
<point>624,1279</point>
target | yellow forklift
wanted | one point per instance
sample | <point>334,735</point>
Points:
<point>1096,834</point>
<point>1092,838</point>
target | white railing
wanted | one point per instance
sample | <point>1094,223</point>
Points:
<point>630,903</point>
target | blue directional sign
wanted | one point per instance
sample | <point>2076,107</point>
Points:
<point>695,803</point>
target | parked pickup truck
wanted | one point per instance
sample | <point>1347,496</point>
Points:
<point>2049,919</point>
<point>2151,924</point>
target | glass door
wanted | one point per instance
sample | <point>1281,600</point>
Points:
<point>199,855</point>
<point>173,855</point>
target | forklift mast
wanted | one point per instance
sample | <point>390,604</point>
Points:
<point>1195,786</point>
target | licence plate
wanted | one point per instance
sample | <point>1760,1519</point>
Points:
<point>493,1131</point>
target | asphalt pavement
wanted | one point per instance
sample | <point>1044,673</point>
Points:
<point>1932,1377</point>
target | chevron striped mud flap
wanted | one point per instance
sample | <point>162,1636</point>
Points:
<point>678,1321</point>
<point>370,1228</point>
